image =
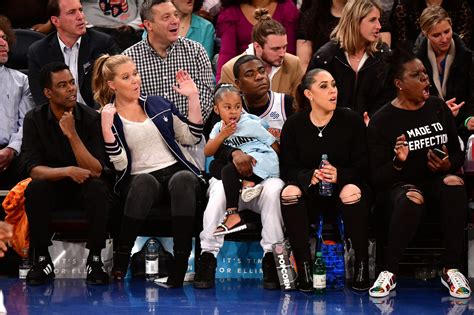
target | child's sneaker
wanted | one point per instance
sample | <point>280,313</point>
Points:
<point>249,193</point>
<point>385,283</point>
<point>457,284</point>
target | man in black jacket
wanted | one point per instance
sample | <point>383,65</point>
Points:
<point>64,154</point>
<point>72,44</point>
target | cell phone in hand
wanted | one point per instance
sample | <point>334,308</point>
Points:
<point>440,153</point>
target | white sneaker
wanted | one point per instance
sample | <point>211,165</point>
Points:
<point>249,193</point>
<point>457,284</point>
<point>385,283</point>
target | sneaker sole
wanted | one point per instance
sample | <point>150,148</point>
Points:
<point>233,230</point>
<point>384,294</point>
<point>360,289</point>
<point>97,282</point>
<point>271,286</point>
<point>34,282</point>
<point>251,193</point>
<point>204,285</point>
<point>454,294</point>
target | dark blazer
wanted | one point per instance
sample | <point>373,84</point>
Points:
<point>460,82</point>
<point>93,44</point>
<point>362,92</point>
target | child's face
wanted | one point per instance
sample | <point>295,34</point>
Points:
<point>229,107</point>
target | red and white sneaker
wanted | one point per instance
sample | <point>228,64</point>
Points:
<point>457,284</point>
<point>385,283</point>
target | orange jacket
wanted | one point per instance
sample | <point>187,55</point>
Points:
<point>14,205</point>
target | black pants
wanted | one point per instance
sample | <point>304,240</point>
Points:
<point>404,218</point>
<point>12,175</point>
<point>298,217</point>
<point>230,180</point>
<point>44,197</point>
<point>144,194</point>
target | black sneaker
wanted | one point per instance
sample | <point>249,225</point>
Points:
<point>270,276</point>
<point>205,276</point>
<point>41,272</point>
<point>95,271</point>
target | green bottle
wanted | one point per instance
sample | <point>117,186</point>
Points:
<point>319,274</point>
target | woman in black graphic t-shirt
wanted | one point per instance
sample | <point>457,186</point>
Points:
<point>414,150</point>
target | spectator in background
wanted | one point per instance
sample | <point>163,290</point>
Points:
<point>118,18</point>
<point>315,26</point>
<point>322,128</point>
<point>144,137</point>
<point>450,66</point>
<point>269,43</point>
<point>414,153</point>
<point>194,27</point>
<point>15,102</point>
<point>236,20</point>
<point>64,154</point>
<point>72,44</point>
<point>164,52</point>
<point>406,13</point>
<point>355,57</point>
<point>27,14</point>
<point>273,109</point>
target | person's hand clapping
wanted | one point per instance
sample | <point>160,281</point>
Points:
<point>401,148</point>
<point>185,85</point>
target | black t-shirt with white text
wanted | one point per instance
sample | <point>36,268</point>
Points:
<point>429,127</point>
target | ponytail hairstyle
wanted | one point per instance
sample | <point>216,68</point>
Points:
<point>306,82</point>
<point>105,68</point>
<point>265,27</point>
<point>222,88</point>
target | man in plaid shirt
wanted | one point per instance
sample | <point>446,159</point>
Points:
<point>163,53</point>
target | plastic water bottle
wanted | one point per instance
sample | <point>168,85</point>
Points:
<point>325,188</point>
<point>151,259</point>
<point>25,264</point>
<point>319,274</point>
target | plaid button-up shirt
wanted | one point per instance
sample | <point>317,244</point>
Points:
<point>159,74</point>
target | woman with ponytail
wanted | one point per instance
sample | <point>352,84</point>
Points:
<point>321,128</point>
<point>143,139</point>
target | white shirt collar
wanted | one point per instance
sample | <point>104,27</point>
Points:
<point>63,46</point>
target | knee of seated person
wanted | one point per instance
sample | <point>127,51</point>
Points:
<point>97,184</point>
<point>414,195</point>
<point>142,180</point>
<point>183,178</point>
<point>453,180</point>
<point>290,195</point>
<point>350,194</point>
<point>38,186</point>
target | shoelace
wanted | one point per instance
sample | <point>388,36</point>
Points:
<point>382,278</point>
<point>458,279</point>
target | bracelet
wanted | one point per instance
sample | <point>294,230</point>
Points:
<point>397,164</point>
